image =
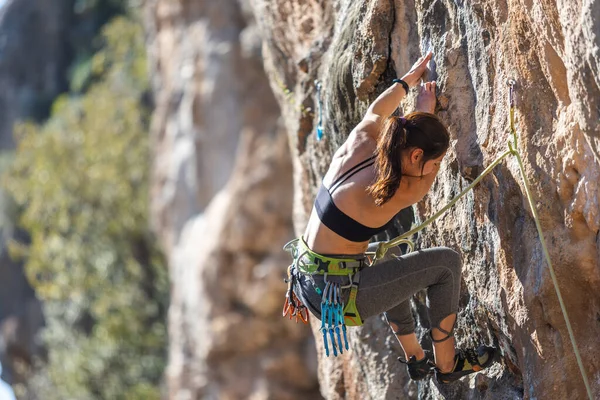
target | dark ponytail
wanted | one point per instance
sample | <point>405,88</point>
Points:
<point>417,130</point>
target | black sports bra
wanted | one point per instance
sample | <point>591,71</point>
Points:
<point>333,218</point>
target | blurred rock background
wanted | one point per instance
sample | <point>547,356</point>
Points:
<point>156,155</point>
<point>222,203</point>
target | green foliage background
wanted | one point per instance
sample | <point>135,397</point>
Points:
<point>80,182</point>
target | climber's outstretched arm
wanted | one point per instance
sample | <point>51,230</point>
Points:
<point>388,101</point>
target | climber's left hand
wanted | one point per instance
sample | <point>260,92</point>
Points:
<point>413,76</point>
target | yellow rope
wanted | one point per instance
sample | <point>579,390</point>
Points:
<point>547,255</point>
<point>385,246</point>
<point>512,149</point>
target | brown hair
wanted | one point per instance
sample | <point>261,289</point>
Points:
<point>416,130</point>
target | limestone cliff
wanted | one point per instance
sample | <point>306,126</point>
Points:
<point>551,49</point>
<point>222,202</point>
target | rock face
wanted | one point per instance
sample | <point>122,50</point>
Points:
<point>209,85</point>
<point>222,203</point>
<point>551,50</point>
<point>32,62</point>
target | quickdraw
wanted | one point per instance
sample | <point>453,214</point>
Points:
<point>332,318</point>
<point>319,110</point>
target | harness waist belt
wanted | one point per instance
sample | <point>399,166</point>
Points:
<point>311,263</point>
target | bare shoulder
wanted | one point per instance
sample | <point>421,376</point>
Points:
<point>369,126</point>
<point>359,146</point>
<point>361,142</point>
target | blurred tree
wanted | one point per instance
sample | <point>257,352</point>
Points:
<point>88,17</point>
<point>81,184</point>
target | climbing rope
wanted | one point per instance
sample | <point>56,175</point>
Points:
<point>512,150</point>
<point>545,248</point>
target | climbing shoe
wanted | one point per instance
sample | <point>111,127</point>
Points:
<point>419,369</point>
<point>467,362</point>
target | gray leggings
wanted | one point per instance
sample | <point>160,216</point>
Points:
<point>388,286</point>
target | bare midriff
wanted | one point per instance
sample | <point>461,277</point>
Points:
<point>323,240</point>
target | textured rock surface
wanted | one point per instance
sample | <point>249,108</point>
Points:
<point>222,200</point>
<point>228,340</point>
<point>32,60</point>
<point>209,85</point>
<point>551,48</point>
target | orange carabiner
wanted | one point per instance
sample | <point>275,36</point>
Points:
<point>286,307</point>
<point>303,315</point>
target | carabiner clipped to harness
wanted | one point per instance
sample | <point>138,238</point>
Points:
<point>292,306</point>
<point>336,314</point>
<point>332,318</point>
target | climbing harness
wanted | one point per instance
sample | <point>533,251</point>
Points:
<point>319,110</point>
<point>383,247</point>
<point>335,314</point>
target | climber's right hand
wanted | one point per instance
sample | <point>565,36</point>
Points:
<point>426,98</point>
<point>413,76</point>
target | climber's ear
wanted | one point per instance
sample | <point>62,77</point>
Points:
<point>416,156</point>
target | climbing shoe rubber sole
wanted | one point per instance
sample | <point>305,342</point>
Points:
<point>468,362</point>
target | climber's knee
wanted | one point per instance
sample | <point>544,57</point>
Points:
<point>453,261</point>
<point>401,329</point>
<point>450,272</point>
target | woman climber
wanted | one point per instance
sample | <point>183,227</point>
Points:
<point>387,164</point>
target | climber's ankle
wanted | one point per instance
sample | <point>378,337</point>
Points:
<point>411,346</point>
<point>419,354</point>
<point>447,366</point>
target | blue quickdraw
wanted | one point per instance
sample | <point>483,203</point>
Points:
<point>324,312</point>
<point>332,312</point>
<point>342,322</point>
<point>338,321</point>
<point>332,319</point>
<point>320,111</point>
